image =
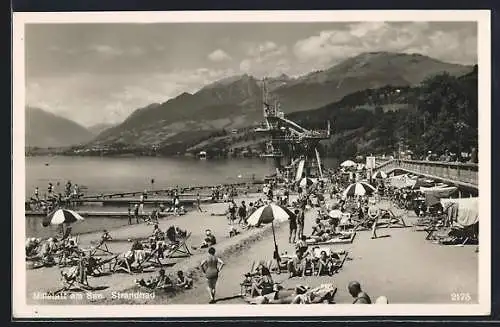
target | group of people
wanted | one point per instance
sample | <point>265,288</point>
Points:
<point>240,213</point>
<point>223,193</point>
<point>164,281</point>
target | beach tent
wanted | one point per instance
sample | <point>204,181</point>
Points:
<point>434,195</point>
<point>348,163</point>
<point>61,216</point>
<point>380,174</point>
<point>359,188</point>
<point>464,211</point>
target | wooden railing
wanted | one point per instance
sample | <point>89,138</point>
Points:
<point>466,173</point>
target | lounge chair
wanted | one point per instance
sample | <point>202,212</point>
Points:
<point>97,266</point>
<point>68,255</point>
<point>179,249</point>
<point>101,247</point>
<point>124,261</point>
<point>74,279</point>
<point>152,257</point>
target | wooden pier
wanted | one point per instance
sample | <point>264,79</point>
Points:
<point>104,214</point>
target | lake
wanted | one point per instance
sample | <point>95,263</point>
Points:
<point>119,174</point>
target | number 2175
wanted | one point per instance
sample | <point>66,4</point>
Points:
<point>460,297</point>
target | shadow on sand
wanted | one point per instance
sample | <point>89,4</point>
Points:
<point>228,298</point>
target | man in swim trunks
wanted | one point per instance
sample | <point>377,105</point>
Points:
<point>211,268</point>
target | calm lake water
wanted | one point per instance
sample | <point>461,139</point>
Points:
<point>107,174</point>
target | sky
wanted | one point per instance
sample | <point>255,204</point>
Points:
<point>100,73</point>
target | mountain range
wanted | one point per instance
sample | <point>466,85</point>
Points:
<point>44,129</point>
<point>236,102</point>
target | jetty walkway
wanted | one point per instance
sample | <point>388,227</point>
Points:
<point>463,175</point>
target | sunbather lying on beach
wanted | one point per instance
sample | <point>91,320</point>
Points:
<point>299,295</point>
<point>47,251</point>
<point>31,246</point>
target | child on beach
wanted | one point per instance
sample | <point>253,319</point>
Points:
<point>209,239</point>
<point>184,281</point>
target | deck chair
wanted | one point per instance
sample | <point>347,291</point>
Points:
<point>74,279</point>
<point>152,257</point>
<point>392,221</point>
<point>97,266</point>
<point>101,247</point>
<point>123,262</point>
<point>178,250</point>
<point>68,256</point>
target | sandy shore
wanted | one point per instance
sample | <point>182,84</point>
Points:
<point>48,279</point>
<point>402,266</point>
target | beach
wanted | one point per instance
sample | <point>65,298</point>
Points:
<point>400,265</point>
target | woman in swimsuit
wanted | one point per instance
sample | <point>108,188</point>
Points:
<point>211,268</point>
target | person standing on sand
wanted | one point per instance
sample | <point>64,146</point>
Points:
<point>301,220</point>
<point>242,213</point>
<point>211,267</point>
<point>293,227</point>
<point>129,215</point>
<point>198,202</point>
<point>141,204</point>
<point>136,212</point>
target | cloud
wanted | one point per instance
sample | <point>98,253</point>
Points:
<point>265,59</point>
<point>219,55</point>
<point>262,52</point>
<point>110,51</point>
<point>330,46</point>
<point>106,50</point>
<point>91,99</point>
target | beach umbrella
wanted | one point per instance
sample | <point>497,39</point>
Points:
<point>359,188</point>
<point>306,182</point>
<point>380,174</point>
<point>61,216</point>
<point>348,163</point>
<point>335,213</point>
<point>268,214</point>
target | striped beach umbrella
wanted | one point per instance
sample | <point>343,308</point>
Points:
<point>306,182</point>
<point>269,213</point>
<point>61,216</point>
<point>348,163</point>
<point>380,174</point>
<point>359,188</point>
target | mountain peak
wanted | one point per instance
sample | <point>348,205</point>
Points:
<point>46,129</point>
